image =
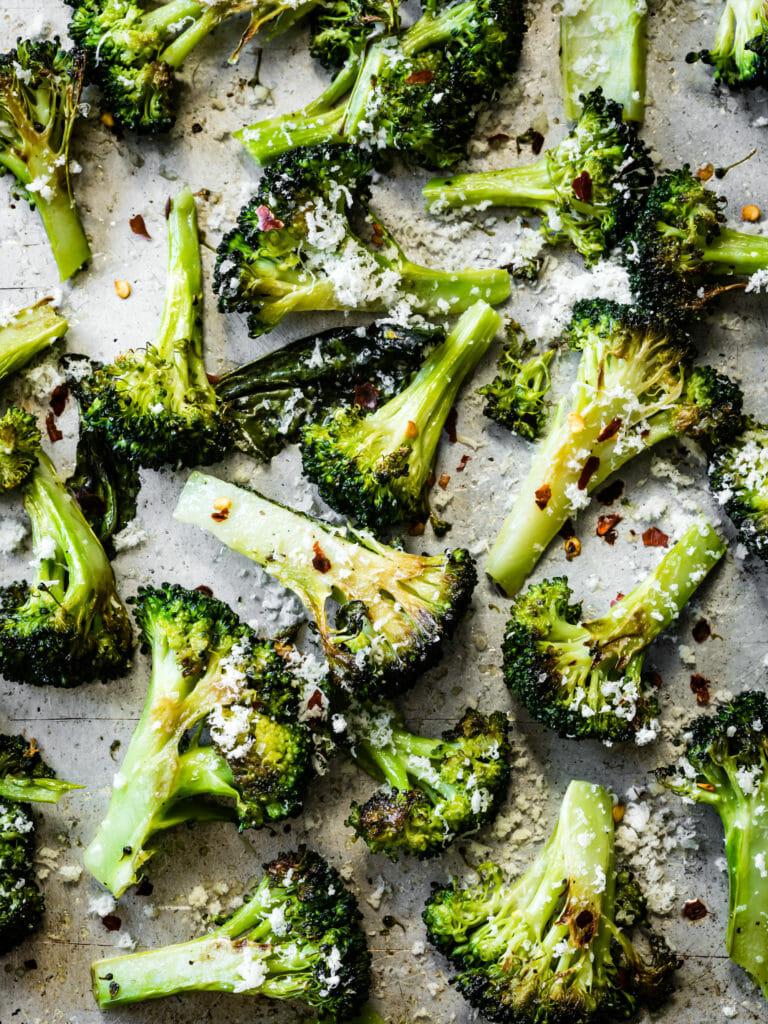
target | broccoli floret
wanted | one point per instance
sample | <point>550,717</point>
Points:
<point>24,777</point>
<point>27,334</point>
<point>435,790</point>
<point>268,401</point>
<point>604,43</point>
<point>586,188</point>
<point>220,723</point>
<point>19,447</point>
<point>679,250</point>
<point>40,87</point>
<point>133,54</point>
<point>297,937</point>
<point>418,93</point>
<point>738,476</point>
<point>68,626</point>
<point>556,944</point>
<point>726,765</point>
<point>634,389</point>
<point>294,249</point>
<point>739,55</point>
<point>585,679</point>
<point>395,610</point>
<point>156,405</point>
<point>376,467</point>
<point>515,398</point>
<point>342,28</point>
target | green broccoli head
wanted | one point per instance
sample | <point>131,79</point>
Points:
<point>342,28</point>
<point>739,55</point>
<point>709,410</point>
<point>515,398</point>
<point>19,447</point>
<point>738,476</point>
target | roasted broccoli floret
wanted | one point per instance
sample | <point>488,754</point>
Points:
<point>739,55</point>
<point>586,188</point>
<point>585,679</point>
<point>435,789</point>
<point>155,405</point>
<point>267,402</point>
<point>603,43</point>
<point>19,447</point>
<point>515,398</point>
<point>679,252</point>
<point>556,944</point>
<point>133,54</point>
<point>418,93</point>
<point>725,765</point>
<point>296,937</point>
<point>738,476</point>
<point>219,737</point>
<point>395,610</point>
<point>341,29</point>
<point>68,626</point>
<point>40,87</point>
<point>24,777</point>
<point>294,249</point>
<point>634,389</point>
<point>375,467</point>
<point>27,334</point>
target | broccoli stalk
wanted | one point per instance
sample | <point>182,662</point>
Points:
<point>556,944</point>
<point>604,44</point>
<point>725,765</point>
<point>209,672</point>
<point>634,389</point>
<point>28,333</point>
<point>39,93</point>
<point>436,789</point>
<point>738,476</point>
<point>395,609</point>
<point>376,467</point>
<point>296,937</point>
<point>19,448</point>
<point>585,679</point>
<point>586,188</point>
<point>739,55</point>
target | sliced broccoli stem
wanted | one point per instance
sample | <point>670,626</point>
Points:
<point>30,331</point>
<point>746,830</point>
<point>62,223</point>
<point>170,14</point>
<point>442,291</point>
<point>32,790</point>
<point>735,252</point>
<point>529,186</point>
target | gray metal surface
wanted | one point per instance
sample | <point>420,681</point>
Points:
<point>84,732</point>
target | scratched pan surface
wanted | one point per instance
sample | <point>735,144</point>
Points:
<point>84,732</point>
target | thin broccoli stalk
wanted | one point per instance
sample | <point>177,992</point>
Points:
<point>738,54</point>
<point>28,333</point>
<point>411,760</point>
<point>736,252</point>
<point>529,186</point>
<point>34,790</point>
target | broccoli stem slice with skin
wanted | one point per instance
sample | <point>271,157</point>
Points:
<point>736,252</point>
<point>619,52</point>
<point>29,332</point>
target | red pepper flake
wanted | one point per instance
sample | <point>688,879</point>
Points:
<point>377,235</point>
<point>203,589</point>
<point>694,910</point>
<point>450,424</point>
<point>567,530</point>
<point>111,922</point>
<point>462,465</point>
<point>619,597</point>
<point>606,525</point>
<point>542,496</point>
<point>537,142</point>
<point>653,537</point>
<point>220,516</point>
<point>444,481</point>
<point>590,466</point>
<point>315,701</point>
<point>612,492</point>
<point>167,209</point>
<point>701,631</point>
<point>59,397</point>
<point>652,678</point>
<point>610,431</point>
<point>320,562</point>
<point>416,530</point>
<point>431,479</point>
<point>138,227</point>
<point>582,187</point>
<point>213,378</point>
<point>366,396</point>
<point>267,220</point>
<point>54,434</point>
<point>498,140</point>
<point>700,686</point>
<point>420,77</point>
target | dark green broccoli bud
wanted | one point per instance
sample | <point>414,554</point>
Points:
<point>294,249</point>
<point>634,389</point>
<point>68,626</point>
<point>342,28</point>
<point>133,54</point>
<point>376,467</point>
<point>739,55</point>
<point>395,610</point>
<point>604,44</point>
<point>586,188</point>
<point>155,405</point>
<point>267,402</point>
<point>738,476</point>
<point>27,334</point>
<point>219,737</point>
<point>435,790</point>
<point>418,93</point>
<point>40,87</point>
<point>515,398</point>
<point>556,945</point>
<point>296,937</point>
<point>585,679</point>
<point>725,765</point>
<point>19,447</point>
<point>678,250</point>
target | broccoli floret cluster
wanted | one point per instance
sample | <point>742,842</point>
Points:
<point>27,333</point>
<point>516,397</point>
<point>739,54</point>
<point>342,28</point>
<point>19,447</point>
<point>738,476</point>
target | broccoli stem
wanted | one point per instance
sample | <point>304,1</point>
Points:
<point>442,291</point>
<point>746,831</point>
<point>163,18</point>
<point>31,790</point>
<point>29,332</point>
<point>62,224</point>
<point>529,186</point>
<point>735,252</point>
